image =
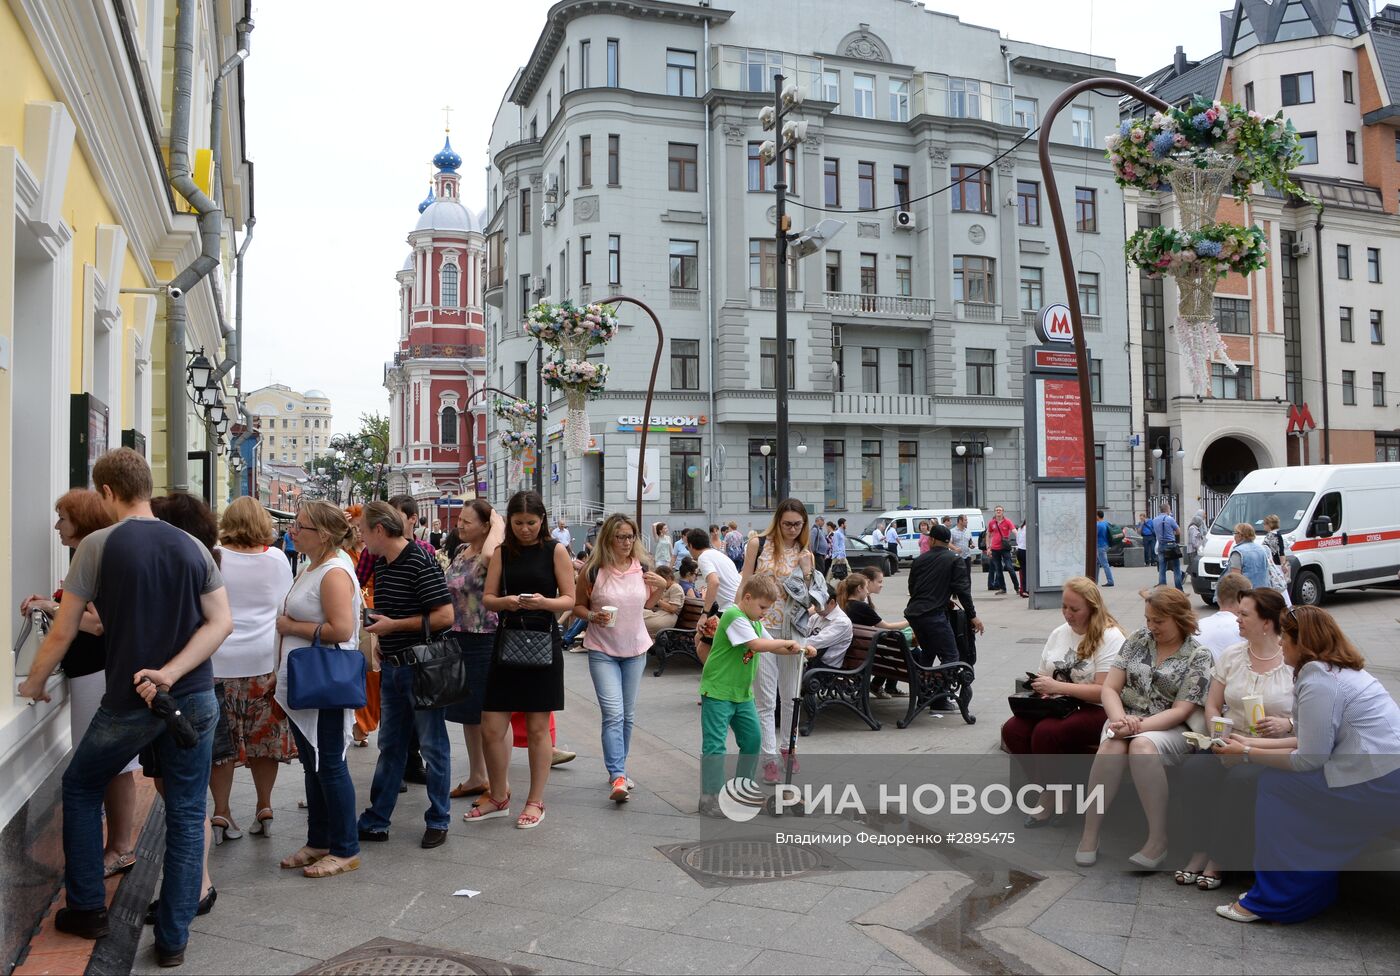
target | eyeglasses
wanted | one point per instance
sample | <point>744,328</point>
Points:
<point>791,525</point>
<point>304,528</point>
<point>624,538</point>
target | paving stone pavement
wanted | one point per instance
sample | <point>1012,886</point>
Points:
<point>588,891</point>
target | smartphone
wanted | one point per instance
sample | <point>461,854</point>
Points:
<point>364,616</point>
<point>1031,676</point>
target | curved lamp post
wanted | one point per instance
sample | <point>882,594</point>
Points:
<point>1081,349</point>
<point>651,389</point>
<point>539,408</point>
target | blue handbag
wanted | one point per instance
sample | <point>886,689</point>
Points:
<point>325,677</point>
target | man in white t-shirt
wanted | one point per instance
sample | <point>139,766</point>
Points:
<point>831,634</point>
<point>562,535</point>
<point>1222,628</point>
<point>717,574</point>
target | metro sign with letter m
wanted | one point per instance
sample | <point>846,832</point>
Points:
<point>1055,324</point>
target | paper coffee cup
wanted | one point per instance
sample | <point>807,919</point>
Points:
<point>612,618</point>
<point>1253,711</point>
<point>1221,727</point>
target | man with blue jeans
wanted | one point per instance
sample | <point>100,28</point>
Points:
<point>1166,532</point>
<point>164,612</point>
<point>1102,543</point>
<point>410,596</point>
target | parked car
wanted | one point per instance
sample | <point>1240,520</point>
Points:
<point>1115,551</point>
<point>860,555</point>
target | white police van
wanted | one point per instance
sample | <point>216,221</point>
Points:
<point>1341,523</point>
<point>906,525</point>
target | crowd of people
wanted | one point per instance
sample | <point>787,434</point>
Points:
<point>177,630</point>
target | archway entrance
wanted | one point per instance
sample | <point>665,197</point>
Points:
<point>1225,464</point>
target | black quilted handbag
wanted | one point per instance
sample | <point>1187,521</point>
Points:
<point>517,647</point>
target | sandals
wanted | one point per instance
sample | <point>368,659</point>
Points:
<point>462,789</point>
<point>1235,913</point>
<point>331,865</point>
<point>121,864</point>
<point>1206,882</point>
<point>527,822</point>
<point>488,808</point>
<point>1184,877</point>
<point>224,829</point>
<point>303,858</point>
<point>262,825</point>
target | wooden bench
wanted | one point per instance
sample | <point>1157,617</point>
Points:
<point>894,658</point>
<point>848,685</point>
<point>679,641</point>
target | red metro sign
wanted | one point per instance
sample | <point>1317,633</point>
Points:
<point>1055,324</point>
<point>1300,419</point>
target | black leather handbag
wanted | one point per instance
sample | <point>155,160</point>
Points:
<point>517,647</point>
<point>439,671</point>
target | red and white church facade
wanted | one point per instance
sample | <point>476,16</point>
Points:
<point>437,432</point>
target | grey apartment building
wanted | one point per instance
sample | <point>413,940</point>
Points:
<point>625,160</point>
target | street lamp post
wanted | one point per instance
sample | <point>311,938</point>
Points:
<point>539,417</point>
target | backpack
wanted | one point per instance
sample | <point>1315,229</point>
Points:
<point>734,548</point>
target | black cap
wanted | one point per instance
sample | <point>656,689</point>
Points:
<point>940,532</point>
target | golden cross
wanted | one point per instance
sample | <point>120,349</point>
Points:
<point>447,117</point>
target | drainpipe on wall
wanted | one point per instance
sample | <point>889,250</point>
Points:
<point>716,478</point>
<point>233,350</point>
<point>1322,340</point>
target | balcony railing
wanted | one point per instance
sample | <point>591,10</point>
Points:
<point>685,298</point>
<point>752,69</point>
<point>440,350</point>
<point>878,304</point>
<point>768,297</point>
<point>866,405</point>
<point>495,277</point>
<point>977,311</point>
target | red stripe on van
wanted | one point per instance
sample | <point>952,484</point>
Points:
<point>1353,539</point>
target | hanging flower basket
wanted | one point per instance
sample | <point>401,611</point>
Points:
<point>515,410</point>
<point>581,326</point>
<point>572,330</point>
<point>1214,251</point>
<point>581,380</point>
<point>516,442</point>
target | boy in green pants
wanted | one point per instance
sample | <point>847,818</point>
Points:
<point>726,686</point>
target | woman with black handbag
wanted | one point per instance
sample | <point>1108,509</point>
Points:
<point>1062,715</point>
<point>529,582</point>
<point>480,530</point>
<point>323,607</point>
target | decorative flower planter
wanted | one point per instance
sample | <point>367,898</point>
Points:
<point>571,330</point>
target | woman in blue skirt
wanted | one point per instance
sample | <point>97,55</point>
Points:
<point>1320,804</point>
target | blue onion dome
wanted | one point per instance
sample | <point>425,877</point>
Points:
<point>428,201</point>
<point>447,160</point>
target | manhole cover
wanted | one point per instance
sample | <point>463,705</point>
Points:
<point>387,957</point>
<point>745,861</point>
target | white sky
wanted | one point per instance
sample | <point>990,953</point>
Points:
<point>344,112</point>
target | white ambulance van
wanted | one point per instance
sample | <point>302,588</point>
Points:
<point>906,524</point>
<point>1341,523</point>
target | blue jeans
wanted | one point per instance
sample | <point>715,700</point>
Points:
<point>108,745</point>
<point>615,679</point>
<point>1104,565</point>
<point>575,628</point>
<point>397,720</point>
<point>1149,549</point>
<point>1162,563</point>
<point>330,794</point>
<point>1002,566</point>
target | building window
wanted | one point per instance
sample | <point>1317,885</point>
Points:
<point>971,189</point>
<point>905,367</point>
<point>1351,146</point>
<point>763,476</point>
<point>448,286</point>
<point>967,478</point>
<point>1086,210</point>
<point>1232,316</point>
<point>1344,261</point>
<point>521,369</point>
<point>1388,447</point>
<point>682,167</point>
<point>1377,389</point>
<point>1096,383</point>
<point>908,474</point>
<point>899,100</point>
<point>767,350</point>
<point>833,271</point>
<point>758,172</point>
<point>869,275</point>
<point>1397,147</point>
<point>903,276</point>
<point>838,359</point>
<point>1027,203</point>
<point>831,86</point>
<point>870,475</point>
<point>1349,387</point>
<point>1025,113</point>
<point>865,96</point>
<point>901,187</point>
<point>447,427</point>
<point>1377,327</point>
<point>1348,91</point>
<point>1154,324</point>
<point>685,364</point>
<point>585,259</point>
<point>685,264</point>
<point>614,259</point>
<point>865,183</point>
<point>614,65</point>
<point>524,211</point>
<point>870,369</point>
<point>974,279</point>
<point>614,160</point>
<point>680,73</point>
<point>981,372</point>
<point>584,49</point>
<point>1373,264</point>
<point>1249,96</point>
<point>1088,293</point>
<point>834,473</point>
<point>1100,474</point>
<point>685,474</point>
<point>1309,143</point>
<point>1297,89</point>
<point>1032,288</point>
<point>763,264</point>
<point>1345,313</point>
<point>831,182</point>
<point>1082,126</point>
<point>1225,385</point>
<point>585,161</point>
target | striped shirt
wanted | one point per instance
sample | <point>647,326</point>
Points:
<point>411,585</point>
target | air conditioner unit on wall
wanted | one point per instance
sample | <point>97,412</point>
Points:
<point>904,220</point>
<point>551,186</point>
<point>549,216</point>
<point>1300,249</point>
<point>537,284</point>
